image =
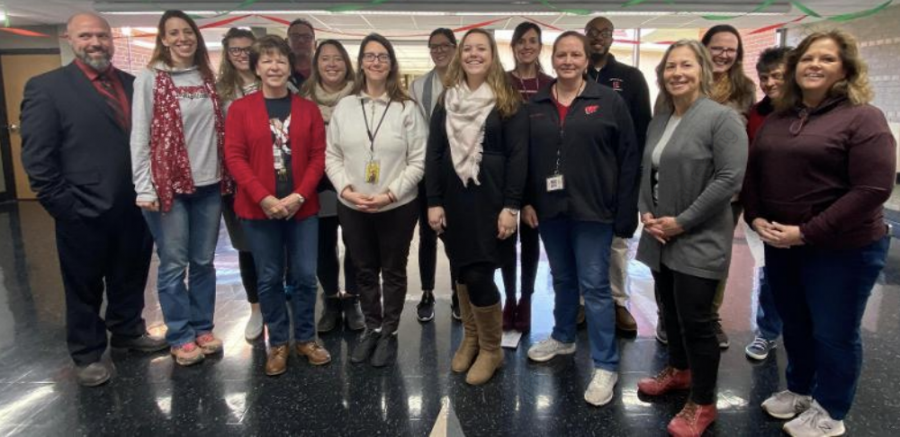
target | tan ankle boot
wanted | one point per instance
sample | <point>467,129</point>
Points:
<point>490,333</point>
<point>468,347</point>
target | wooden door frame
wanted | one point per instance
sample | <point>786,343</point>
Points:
<point>5,141</point>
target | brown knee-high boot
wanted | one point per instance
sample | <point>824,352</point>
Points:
<point>490,333</point>
<point>468,347</point>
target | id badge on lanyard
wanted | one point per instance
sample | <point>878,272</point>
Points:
<point>373,167</point>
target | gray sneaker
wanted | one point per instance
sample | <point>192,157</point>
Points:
<point>759,349</point>
<point>786,404</point>
<point>815,422</point>
<point>549,348</point>
<point>600,390</point>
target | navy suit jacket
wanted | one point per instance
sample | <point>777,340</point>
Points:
<point>77,156</point>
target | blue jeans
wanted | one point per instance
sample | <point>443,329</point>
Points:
<point>186,239</point>
<point>578,252</point>
<point>821,295</point>
<point>269,241</point>
<point>768,322</point>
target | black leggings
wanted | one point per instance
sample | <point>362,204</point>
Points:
<point>531,253</point>
<point>329,267</point>
<point>479,280</point>
<point>687,308</point>
<point>248,276</point>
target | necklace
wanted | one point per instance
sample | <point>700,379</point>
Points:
<point>577,92</point>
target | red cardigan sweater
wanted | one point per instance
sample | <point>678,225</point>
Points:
<point>248,154</point>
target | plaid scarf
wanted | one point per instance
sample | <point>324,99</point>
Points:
<point>169,162</point>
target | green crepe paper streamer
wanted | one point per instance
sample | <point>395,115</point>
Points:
<point>719,17</point>
<point>355,7</point>
<point>806,10</point>
<point>861,14</point>
<point>566,11</point>
<point>6,20</point>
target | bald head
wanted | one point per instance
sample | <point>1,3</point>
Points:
<point>91,40</point>
<point>599,32</point>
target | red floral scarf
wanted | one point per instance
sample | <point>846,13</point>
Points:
<point>169,162</point>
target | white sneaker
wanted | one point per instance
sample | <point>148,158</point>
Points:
<point>815,422</point>
<point>254,325</point>
<point>549,348</point>
<point>600,390</point>
<point>786,404</point>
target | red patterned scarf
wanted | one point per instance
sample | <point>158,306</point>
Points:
<point>169,162</point>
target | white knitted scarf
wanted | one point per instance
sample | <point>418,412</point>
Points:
<point>467,112</point>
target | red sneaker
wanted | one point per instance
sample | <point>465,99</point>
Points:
<point>669,379</point>
<point>692,420</point>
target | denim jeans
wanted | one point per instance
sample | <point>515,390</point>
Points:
<point>186,239</point>
<point>270,240</point>
<point>768,322</point>
<point>821,295</point>
<point>578,252</point>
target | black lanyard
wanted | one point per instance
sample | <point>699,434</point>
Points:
<point>562,122</point>
<point>372,135</point>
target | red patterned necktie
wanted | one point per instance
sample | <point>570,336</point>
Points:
<point>109,95</point>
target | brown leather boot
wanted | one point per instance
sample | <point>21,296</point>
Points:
<point>276,363</point>
<point>490,333</point>
<point>468,347</point>
<point>314,352</point>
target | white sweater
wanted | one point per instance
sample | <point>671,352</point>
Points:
<point>399,147</point>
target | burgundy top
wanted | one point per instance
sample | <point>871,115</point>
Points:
<point>828,172</point>
<point>529,87</point>
<point>94,76</point>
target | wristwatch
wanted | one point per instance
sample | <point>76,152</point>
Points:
<point>513,211</point>
<point>302,199</point>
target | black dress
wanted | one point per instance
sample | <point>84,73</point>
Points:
<point>471,212</point>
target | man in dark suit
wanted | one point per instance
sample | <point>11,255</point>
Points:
<point>75,149</point>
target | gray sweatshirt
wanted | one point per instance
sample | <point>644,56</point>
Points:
<point>198,117</point>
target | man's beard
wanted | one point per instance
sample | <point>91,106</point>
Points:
<point>98,64</point>
<point>597,56</point>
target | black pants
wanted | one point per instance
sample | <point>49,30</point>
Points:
<point>248,276</point>
<point>380,243</point>
<point>329,267</point>
<point>687,308</point>
<point>479,281</point>
<point>428,247</point>
<point>114,249</point>
<point>531,253</point>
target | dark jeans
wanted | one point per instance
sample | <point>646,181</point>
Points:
<point>379,243</point>
<point>479,281</point>
<point>690,326</point>
<point>270,241</point>
<point>821,295</point>
<point>768,322</point>
<point>248,276</point>
<point>428,247</point>
<point>329,269</point>
<point>114,250</point>
<point>530,254</point>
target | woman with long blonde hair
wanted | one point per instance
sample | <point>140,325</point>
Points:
<point>477,163</point>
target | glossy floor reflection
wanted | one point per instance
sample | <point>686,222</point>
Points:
<point>419,396</point>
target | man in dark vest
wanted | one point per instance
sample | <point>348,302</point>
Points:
<point>76,126</point>
<point>631,85</point>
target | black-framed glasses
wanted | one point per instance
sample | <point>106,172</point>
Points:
<point>594,33</point>
<point>797,125</point>
<point>237,51</point>
<point>380,57</point>
<point>440,47</point>
<point>717,51</point>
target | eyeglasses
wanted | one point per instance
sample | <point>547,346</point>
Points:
<point>237,51</point>
<point>717,51</point>
<point>797,125</point>
<point>594,33</point>
<point>381,57</point>
<point>440,47</point>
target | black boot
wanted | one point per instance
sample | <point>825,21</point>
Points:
<point>353,313</point>
<point>331,314</point>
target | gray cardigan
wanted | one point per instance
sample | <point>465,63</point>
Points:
<point>700,169</point>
